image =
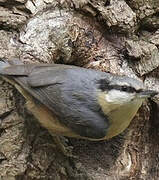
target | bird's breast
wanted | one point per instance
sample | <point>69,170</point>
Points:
<point>119,116</point>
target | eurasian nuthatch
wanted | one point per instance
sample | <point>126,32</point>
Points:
<point>77,102</point>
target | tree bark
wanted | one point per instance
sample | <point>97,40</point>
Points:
<point>120,37</point>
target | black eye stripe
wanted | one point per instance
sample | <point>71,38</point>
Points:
<point>104,85</point>
<point>123,88</point>
<point>139,90</point>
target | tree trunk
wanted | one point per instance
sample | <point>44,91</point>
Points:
<point>120,37</point>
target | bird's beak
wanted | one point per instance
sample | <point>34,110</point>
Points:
<point>147,94</point>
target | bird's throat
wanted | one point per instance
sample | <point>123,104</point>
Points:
<point>119,116</point>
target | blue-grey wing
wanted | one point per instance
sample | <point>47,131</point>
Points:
<point>68,91</point>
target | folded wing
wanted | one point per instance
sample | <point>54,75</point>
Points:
<point>70,92</point>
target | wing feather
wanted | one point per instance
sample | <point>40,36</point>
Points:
<point>70,92</point>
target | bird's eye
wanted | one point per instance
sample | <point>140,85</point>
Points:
<point>128,89</point>
<point>124,88</point>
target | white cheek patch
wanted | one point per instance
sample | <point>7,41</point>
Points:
<point>118,97</point>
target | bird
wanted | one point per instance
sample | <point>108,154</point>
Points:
<point>76,102</point>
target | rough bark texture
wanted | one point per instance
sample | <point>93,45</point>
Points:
<point>115,36</point>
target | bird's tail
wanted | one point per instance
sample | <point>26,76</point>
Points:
<point>3,64</point>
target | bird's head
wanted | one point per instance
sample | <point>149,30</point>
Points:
<point>122,90</point>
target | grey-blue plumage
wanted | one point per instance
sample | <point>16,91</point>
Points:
<point>69,92</point>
